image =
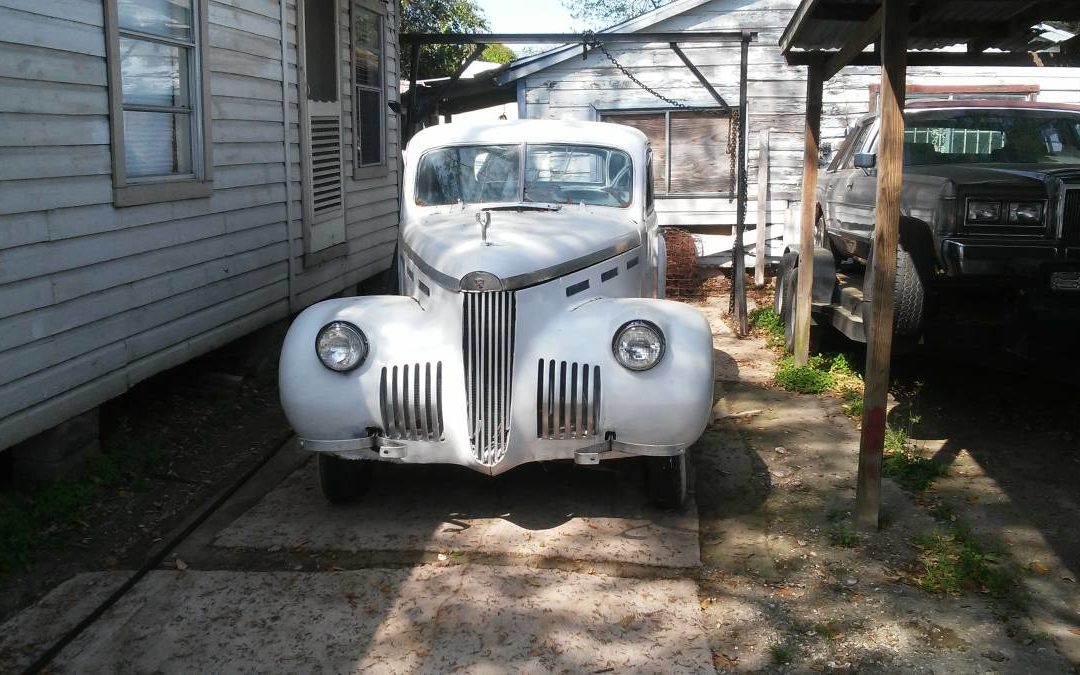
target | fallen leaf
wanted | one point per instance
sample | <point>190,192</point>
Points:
<point>1038,567</point>
<point>626,621</point>
<point>706,602</point>
<point>181,565</point>
<point>1075,631</point>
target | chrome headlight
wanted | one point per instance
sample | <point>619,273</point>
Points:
<point>1026,213</point>
<point>981,211</point>
<point>638,345</point>
<point>341,346</point>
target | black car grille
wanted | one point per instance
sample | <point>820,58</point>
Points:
<point>1070,222</point>
<point>488,343</point>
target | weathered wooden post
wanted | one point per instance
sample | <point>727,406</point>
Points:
<point>814,87</point>
<point>762,208</point>
<point>890,171</point>
<point>738,263</point>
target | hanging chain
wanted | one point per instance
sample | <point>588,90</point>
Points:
<point>590,40</point>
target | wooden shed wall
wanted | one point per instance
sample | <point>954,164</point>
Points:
<point>94,298</point>
<point>578,89</point>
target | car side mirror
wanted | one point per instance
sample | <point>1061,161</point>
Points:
<point>865,160</point>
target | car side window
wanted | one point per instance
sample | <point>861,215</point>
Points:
<point>861,133</point>
<point>845,149</point>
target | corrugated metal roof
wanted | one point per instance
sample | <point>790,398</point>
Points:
<point>1006,25</point>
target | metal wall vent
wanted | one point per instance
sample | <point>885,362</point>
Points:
<point>325,164</point>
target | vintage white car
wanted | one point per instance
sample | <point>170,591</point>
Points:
<point>529,326</point>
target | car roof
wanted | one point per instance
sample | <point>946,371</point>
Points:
<point>991,103</point>
<point>531,131</point>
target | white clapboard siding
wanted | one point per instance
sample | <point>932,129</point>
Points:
<point>579,89</point>
<point>95,298</point>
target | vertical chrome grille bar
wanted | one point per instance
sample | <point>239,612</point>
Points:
<point>429,427</point>
<point>394,402</point>
<point>405,409</point>
<point>383,407</point>
<point>438,399</point>
<point>573,401</point>
<point>562,400</point>
<point>596,400</point>
<point>585,400</point>
<point>551,400</point>
<point>540,398</point>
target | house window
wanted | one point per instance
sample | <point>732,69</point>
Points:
<point>689,149</point>
<point>158,100</point>
<point>369,109</point>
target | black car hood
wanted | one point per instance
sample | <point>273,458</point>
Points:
<point>1034,175</point>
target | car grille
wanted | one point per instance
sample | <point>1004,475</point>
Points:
<point>567,399</point>
<point>411,403</point>
<point>488,344</point>
<point>1070,222</point>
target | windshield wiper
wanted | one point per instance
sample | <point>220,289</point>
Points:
<point>523,207</point>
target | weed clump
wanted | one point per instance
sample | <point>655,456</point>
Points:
<point>908,468</point>
<point>766,321</point>
<point>956,562</point>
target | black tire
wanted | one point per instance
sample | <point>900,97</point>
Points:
<point>788,316</point>
<point>909,296</point>
<point>344,481</point>
<point>668,481</point>
<point>786,264</point>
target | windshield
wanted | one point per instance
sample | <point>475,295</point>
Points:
<point>992,136</point>
<point>554,174</point>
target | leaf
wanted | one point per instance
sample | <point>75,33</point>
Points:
<point>1038,567</point>
<point>180,564</point>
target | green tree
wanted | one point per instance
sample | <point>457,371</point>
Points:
<point>597,14</point>
<point>439,16</point>
<point>498,53</point>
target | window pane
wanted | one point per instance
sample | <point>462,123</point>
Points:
<point>369,111</point>
<point>320,50</point>
<point>578,174</point>
<point>153,73</point>
<point>472,173</point>
<point>699,159</point>
<point>170,18</point>
<point>367,38</point>
<point>652,125</point>
<point>157,144</point>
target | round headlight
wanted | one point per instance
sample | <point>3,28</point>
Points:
<point>341,346</point>
<point>638,345</point>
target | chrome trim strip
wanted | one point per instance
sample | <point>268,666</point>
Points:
<point>520,281</point>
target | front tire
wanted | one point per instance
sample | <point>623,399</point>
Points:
<point>788,316</point>
<point>344,481</point>
<point>668,481</point>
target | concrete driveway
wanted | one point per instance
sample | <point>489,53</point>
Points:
<point>545,569</point>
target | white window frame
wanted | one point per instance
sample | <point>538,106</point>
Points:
<point>130,191</point>
<point>363,171</point>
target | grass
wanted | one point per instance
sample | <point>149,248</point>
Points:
<point>31,518</point>
<point>955,562</point>
<point>842,534</point>
<point>781,653</point>
<point>767,322</point>
<point>827,629</point>
<point>823,373</point>
<point>905,465</point>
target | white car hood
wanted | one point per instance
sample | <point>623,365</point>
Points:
<point>522,248</point>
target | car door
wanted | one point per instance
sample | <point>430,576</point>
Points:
<point>849,197</point>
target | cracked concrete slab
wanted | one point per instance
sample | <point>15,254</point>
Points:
<point>427,619</point>
<point>554,511</point>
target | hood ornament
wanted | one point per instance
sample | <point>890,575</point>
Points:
<point>484,218</point>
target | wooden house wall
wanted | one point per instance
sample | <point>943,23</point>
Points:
<point>94,298</point>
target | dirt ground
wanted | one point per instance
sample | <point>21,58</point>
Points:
<point>781,594</point>
<point>754,572</point>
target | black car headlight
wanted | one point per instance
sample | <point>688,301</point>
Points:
<point>983,211</point>
<point>341,346</point>
<point>638,345</point>
<point>1026,213</point>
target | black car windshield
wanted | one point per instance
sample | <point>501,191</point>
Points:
<point>1014,136</point>
<point>554,174</point>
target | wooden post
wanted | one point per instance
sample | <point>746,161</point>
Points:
<point>738,264</point>
<point>762,208</point>
<point>890,171</point>
<point>414,95</point>
<point>814,86</point>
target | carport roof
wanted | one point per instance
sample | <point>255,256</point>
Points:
<point>823,28</point>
